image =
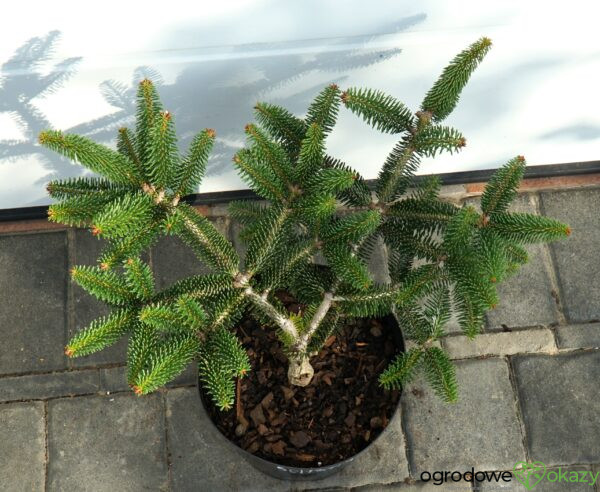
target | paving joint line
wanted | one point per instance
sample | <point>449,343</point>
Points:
<point>70,299</point>
<point>101,393</point>
<point>167,443</point>
<point>403,425</point>
<point>512,377</point>
<point>46,453</point>
<point>32,231</point>
<point>549,257</point>
<point>62,371</point>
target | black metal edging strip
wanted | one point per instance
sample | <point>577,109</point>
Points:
<point>463,177</point>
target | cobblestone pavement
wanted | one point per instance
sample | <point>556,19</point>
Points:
<point>529,386</point>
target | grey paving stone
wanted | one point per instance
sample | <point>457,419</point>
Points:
<point>107,443</point>
<point>22,447</point>
<point>67,383</point>
<point>417,487</point>
<point>378,263</point>
<point>87,248</point>
<point>191,435</point>
<point>578,336</point>
<point>187,377</point>
<point>453,326</point>
<point>173,260</point>
<point>560,402</point>
<point>114,379</point>
<point>552,485</point>
<point>200,457</point>
<point>33,286</point>
<point>526,297</point>
<point>481,430</point>
<point>577,256</point>
<point>42,386</point>
<point>240,245</point>
<point>501,343</point>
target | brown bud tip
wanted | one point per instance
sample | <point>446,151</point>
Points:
<point>211,133</point>
<point>462,142</point>
<point>334,87</point>
<point>486,41</point>
<point>568,231</point>
<point>520,158</point>
<point>344,97</point>
<point>248,127</point>
<point>166,115</point>
<point>51,212</point>
<point>104,266</point>
<point>130,261</point>
<point>137,390</point>
<point>493,280</point>
<point>236,158</point>
<point>43,137</point>
<point>69,352</point>
<point>146,83</point>
<point>96,231</point>
<point>123,129</point>
<point>243,372</point>
<point>493,306</point>
<point>73,272</point>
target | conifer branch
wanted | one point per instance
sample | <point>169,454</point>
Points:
<point>205,240</point>
<point>324,109</point>
<point>259,177</point>
<point>271,153</point>
<point>316,321</point>
<point>162,150</point>
<point>379,110</point>
<point>444,95</point>
<point>467,253</point>
<point>192,169</point>
<point>74,187</point>
<point>126,146</point>
<point>96,157</point>
<point>282,125</point>
<point>101,333</point>
<point>148,108</point>
<point>283,322</point>
<point>402,370</point>
<point>501,189</point>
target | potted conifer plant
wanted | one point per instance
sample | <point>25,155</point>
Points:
<point>275,314</point>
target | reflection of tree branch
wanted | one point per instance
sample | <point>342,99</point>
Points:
<point>11,149</point>
<point>209,94</point>
<point>23,81</point>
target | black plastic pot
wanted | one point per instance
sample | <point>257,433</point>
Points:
<point>294,473</point>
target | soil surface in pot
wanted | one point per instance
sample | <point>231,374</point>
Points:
<point>340,413</point>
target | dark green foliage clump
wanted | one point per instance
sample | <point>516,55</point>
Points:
<point>443,258</point>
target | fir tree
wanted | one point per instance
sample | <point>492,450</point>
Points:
<point>463,253</point>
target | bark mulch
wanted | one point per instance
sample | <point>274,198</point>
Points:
<point>341,412</point>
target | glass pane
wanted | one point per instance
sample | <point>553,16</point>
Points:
<point>76,70</point>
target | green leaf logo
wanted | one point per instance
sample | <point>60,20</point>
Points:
<point>529,474</point>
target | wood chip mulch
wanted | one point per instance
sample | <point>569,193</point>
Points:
<point>336,416</point>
